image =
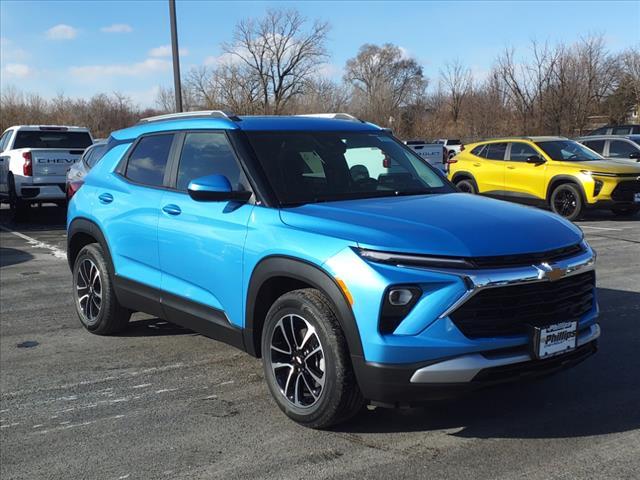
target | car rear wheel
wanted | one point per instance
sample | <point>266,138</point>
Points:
<point>306,361</point>
<point>18,207</point>
<point>95,300</point>
<point>467,186</point>
<point>626,210</point>
<point>567,202</point>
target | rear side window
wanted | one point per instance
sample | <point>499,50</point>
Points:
<point>95,155</point>
<point>496,151</point>
<point>478,150</point>
<point>52,139</point>
<point>599,131</point>
<point>148,160</point>
<point>208,153</point>
<point>520,152</point>
<point>620,149</point>
<point>453,142</point>
<point>595,145</point>
<point>4,141</point>
<point>621,131</point>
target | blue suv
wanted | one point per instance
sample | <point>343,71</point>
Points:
<point>329,249</point>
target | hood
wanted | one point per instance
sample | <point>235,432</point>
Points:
<point>609,165</point>
<point>455,224</point>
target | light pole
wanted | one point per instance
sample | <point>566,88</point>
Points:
<point>177,89</point>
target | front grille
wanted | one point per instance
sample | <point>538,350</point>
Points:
<point>527,258</point>
<point>510,310</point>
<point>624,191</point>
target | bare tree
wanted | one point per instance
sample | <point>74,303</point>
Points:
<point>281,52</point>
<point>384,80</point>
<point>457,80</point>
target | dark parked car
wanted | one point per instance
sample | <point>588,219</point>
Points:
<point>629,129</point>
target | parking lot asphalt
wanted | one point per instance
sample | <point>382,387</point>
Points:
<point>162,402</point>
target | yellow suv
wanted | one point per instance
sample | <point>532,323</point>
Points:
<point>548,171</point>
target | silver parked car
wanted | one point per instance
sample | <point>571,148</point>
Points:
<point>619,147</point>
<point>78,170</point>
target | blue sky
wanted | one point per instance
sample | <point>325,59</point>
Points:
<point>82,47</point>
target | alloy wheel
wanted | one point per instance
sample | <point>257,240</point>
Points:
<point>297,361</point>
<point>565,203</point>
<point>89,290</point>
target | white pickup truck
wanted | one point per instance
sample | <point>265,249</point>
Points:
<point>433,153</point>
<point>453,146</point>
<point>34,161</point>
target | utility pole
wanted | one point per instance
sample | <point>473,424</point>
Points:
<point>177,89</point>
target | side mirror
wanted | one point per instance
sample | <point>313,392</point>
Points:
<point>635,155</point>
<point>215,188</point>
<point>536,159</point>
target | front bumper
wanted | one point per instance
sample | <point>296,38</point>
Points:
<point>405,385</point>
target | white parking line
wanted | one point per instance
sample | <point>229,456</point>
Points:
<point>57,252</point>
<point>602,228</point>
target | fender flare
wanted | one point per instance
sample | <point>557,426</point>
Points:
<point>463,173</point>
<point>89,227</point>
<point>565,179</point>
<point>285,266</point>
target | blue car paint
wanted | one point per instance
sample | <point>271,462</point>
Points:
<point>209,251</point>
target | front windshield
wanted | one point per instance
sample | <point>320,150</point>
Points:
<point>568,150</point>
<point>309,167</point>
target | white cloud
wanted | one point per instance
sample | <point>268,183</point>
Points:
<point>62,32</point>
<point>329,70</point>
<point>405,54</point>
<point>117,28</point>
<point>9,51</point>
<point>92,72</point>
<point>165,51</point>
<point>17,70</point>
<point>223,59</point>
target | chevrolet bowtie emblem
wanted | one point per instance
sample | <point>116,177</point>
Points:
<point>547,272</point>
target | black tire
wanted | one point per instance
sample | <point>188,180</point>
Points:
<point>338,398</point>
<point>19,208</point>
<point>106,316</point>
<point>625,210</point>
<point>566,201</point>
<point>466,185</point>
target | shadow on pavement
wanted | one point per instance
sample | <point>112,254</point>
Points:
<point>599,396</point>
<point>153,327</point>
<point>13,256</point>
<point>49,217</point>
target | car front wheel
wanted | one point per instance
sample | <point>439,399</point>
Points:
<point>567,202</point>
<point>306,361</point>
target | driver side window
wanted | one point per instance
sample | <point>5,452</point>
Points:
<point>208,153</point>
<point>520,152</point>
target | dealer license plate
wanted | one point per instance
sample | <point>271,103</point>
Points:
<point>555,339</point>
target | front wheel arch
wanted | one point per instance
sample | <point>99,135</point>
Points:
<point>296,272</point>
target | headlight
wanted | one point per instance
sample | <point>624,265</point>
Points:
<point>414,260</point>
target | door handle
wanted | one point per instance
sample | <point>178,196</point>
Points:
<point>105,198</point>
<point>511,168</point>
<point>172,209</point>
<point>477,164</point>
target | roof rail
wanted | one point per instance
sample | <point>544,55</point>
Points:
<point>336,116</point>
<point>198,113</point>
